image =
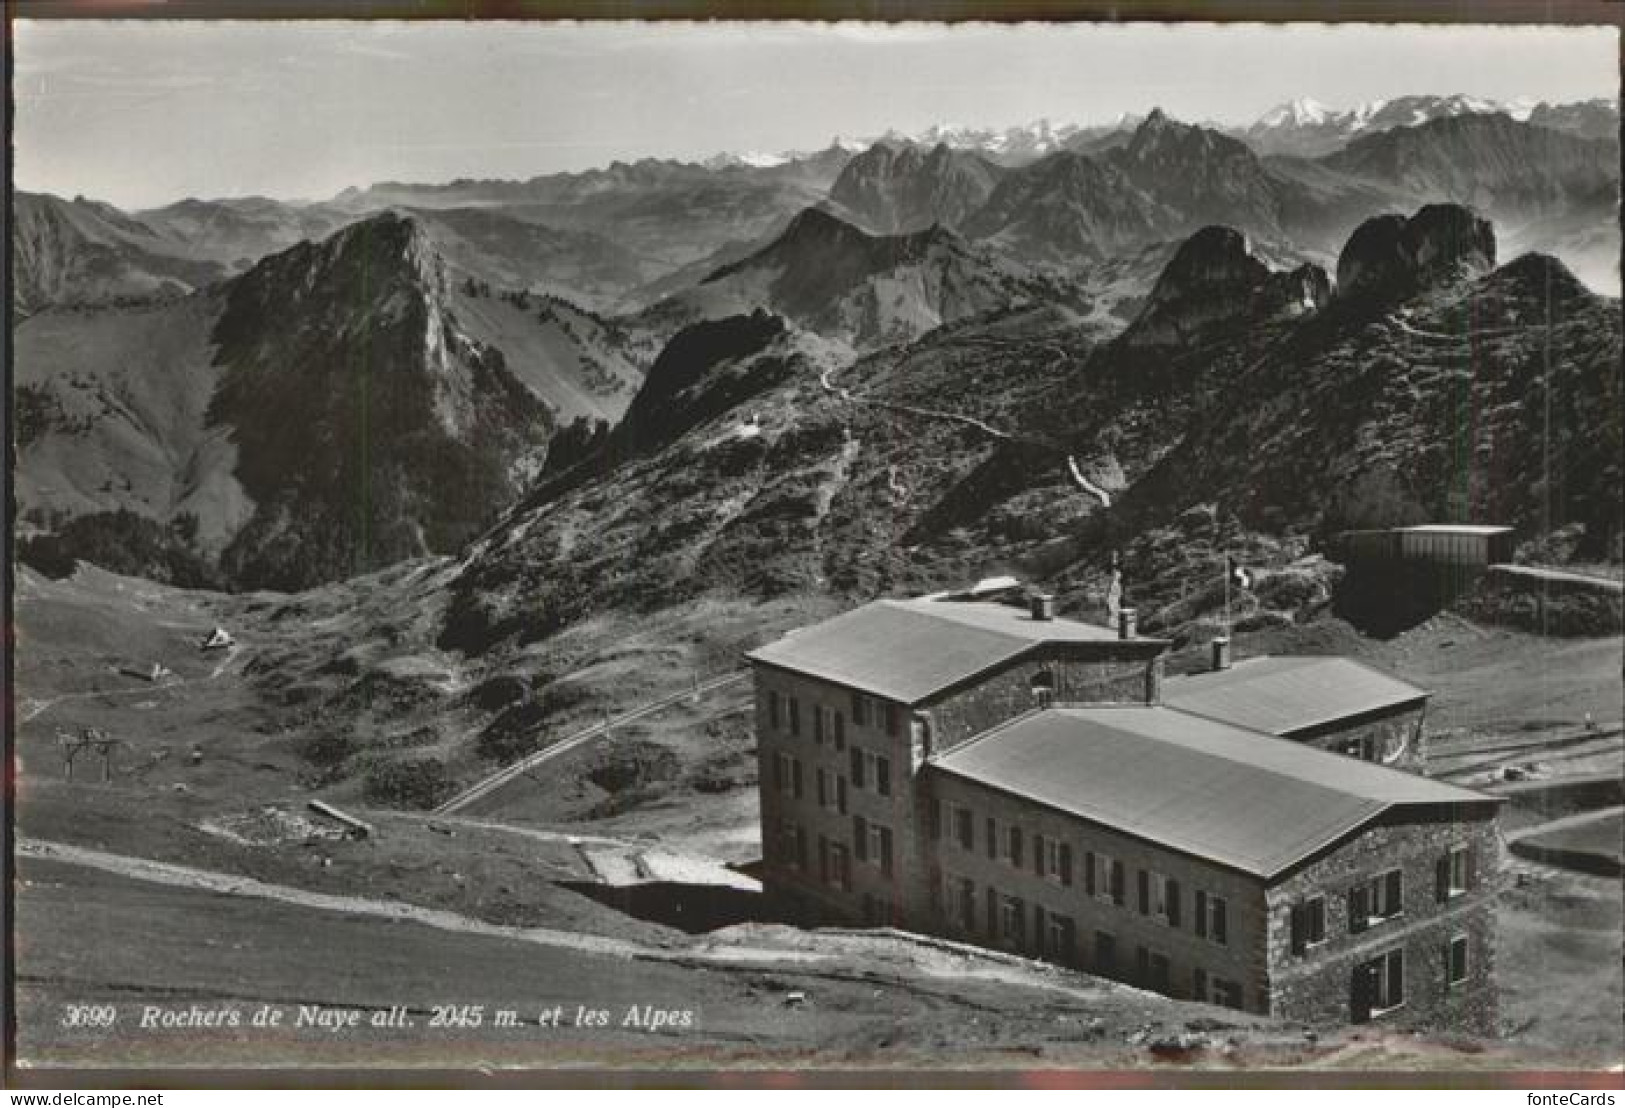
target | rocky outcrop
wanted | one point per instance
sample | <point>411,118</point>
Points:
<point>1214,282</point>
<point>369,427</point>
<point>1393,258</point>
<point>907,187</point>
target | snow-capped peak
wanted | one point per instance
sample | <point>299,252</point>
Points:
<point>1300,112</point>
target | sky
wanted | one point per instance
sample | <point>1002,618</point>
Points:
<point>142,114</point>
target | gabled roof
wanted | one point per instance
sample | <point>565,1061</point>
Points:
<point>907,650</point>
<point>1251,802</point>
<point>1284,695</point>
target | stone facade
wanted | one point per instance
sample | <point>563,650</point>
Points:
<point>1315,984</point>
<point>1103,673</point>
<point>1239,959</point>
<point>860,826</point>
<point>1393,739</point>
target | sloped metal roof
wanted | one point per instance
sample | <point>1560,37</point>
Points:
<point>1456,529</point>
<point>1283,695</point>
<point>1248,801</point>
<point>905,650</point>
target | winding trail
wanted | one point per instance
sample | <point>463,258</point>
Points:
<point>963,420</point>
<point>488,785</point>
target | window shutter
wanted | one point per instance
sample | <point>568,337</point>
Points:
<point>1396,978</point>
<point>1145,893</point>
<point>1441,878</point>
<point>1357,912</point>
<point>1117,883</point>
<point>857,767</point>
<point>1299,928</point>
<point>1393,894</point>
<point>1173,903</point>
<point>1015,847</point>
<point>1220,923</point>
<point>1201,914</point>
<point>1089,872</point>
<point>823,787</point>
<point>1472,867</point>
<point>860,837</point>
<point>840,731</point>
<point>1066,863</point>
<point>795,777</point>
<point>840,795</point>
<point>992,838</point>
<point>1038,855</point>
<point>883,775</point>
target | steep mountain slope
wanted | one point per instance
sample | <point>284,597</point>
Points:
<point>1214,282</point>
<point>112,414</point>
<point>239,231</point>
<point>1203,175</point>
<point>80,252</point>
<point>369,426</point>
<point>500,250</point>
<point>1593,119</point>
<point>325,413</point>
<point>832,278</point>
<point>1512,171</point>
<point>908,188</point>
<point>1070,208</point>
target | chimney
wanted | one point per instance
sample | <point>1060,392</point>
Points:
<point>1125,623</point>
<point>1221,653</point>
<point>1042,606</point>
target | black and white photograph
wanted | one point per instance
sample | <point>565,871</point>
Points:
<point>785,548</point>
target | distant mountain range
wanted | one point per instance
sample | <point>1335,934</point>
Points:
<point>233,371</point>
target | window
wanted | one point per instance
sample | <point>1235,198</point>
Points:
<point>1455,959</point>
<point>792,845</point>
<point>773,709</point>
<point>962,902</point>
<point>1159,897</point>
<point>1013,921</point>
<point>1308,924</point>
<point>1058,861</point>
<point>840,732</point>
<point>1043,688</point>
<point>1376,900</point>
<point>867,766</point>
<point>1455,873</point>
<point>1160,975</point>
<point>873,843</point>
<point>818,724</point>
<point>1012,846</point>
<point>1226,994</point>
<point>964,827</point>
<point>1059,939</point>
<point>1364,748</point>
<point>1105,953</point>
<point>795,716</point>
<point>1103,877</point>
<point>1378,986</point>
<point>784,774</point>
<point>1212,918</point>
<point>839,874</point>
<point>860,709</point>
